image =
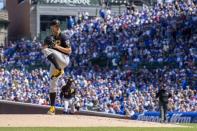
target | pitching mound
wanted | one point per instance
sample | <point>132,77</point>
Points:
<point>72,121</point>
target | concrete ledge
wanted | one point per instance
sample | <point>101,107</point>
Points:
<point>10,107</point>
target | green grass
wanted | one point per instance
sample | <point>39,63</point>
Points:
<point>101,129</point>
<point>194,125</point>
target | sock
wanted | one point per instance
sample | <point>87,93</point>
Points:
<point>52,59</point>
<point>66,104</point>
<point>52,98</point>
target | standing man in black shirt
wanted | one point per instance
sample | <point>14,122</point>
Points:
<point>163,96</point>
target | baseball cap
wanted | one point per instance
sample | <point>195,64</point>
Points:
<point>55,22</point>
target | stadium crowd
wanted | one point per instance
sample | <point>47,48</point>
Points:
<point>165,35</point>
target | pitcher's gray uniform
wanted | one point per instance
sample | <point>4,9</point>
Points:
<point>56,49</point>
<point>61,58</point>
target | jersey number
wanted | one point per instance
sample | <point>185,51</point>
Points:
<point>58,42</point>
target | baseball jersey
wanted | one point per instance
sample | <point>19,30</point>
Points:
<point>62,41</point>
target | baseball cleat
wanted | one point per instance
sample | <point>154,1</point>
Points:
<point>57,73</point>
<point>51,110</point>
<point>65,112</point>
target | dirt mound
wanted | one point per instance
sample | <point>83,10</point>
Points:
<point>72,121</point>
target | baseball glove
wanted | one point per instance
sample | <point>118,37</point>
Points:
<point>49,41</point>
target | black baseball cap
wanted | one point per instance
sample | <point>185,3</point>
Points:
<point>70,79</point>
<point>55,22</point>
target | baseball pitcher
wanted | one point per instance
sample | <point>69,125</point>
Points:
<point>56,49</point>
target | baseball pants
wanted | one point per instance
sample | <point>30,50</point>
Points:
<point>67,103</point>
<point>62,60</point>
